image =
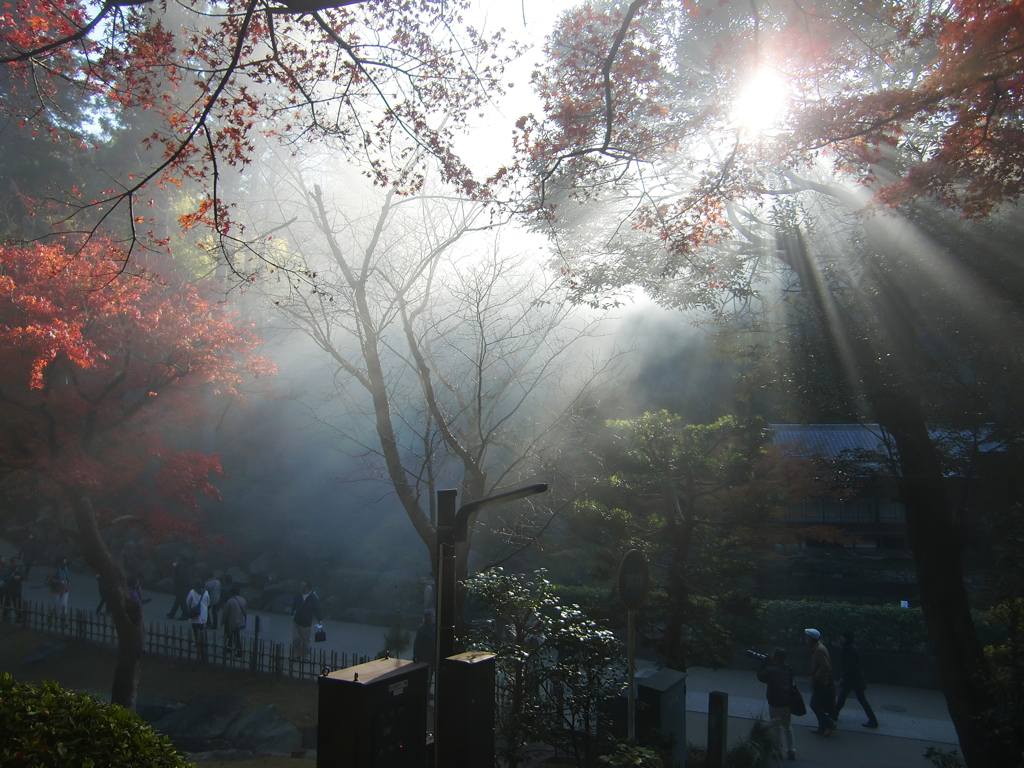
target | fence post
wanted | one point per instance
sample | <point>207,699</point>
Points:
<point>278,658</point>
<point>255,646</point>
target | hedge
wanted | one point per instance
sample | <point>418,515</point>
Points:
<point>46,725</point>
<point>782,622</point>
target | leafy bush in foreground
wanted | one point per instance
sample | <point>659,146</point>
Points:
<point>46,725</point>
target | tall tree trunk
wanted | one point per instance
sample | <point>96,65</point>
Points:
<point>126,613</point>
<point>936,546</point>
<point>883,360</point>
<point>679,520</point>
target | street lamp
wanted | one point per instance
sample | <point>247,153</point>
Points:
<point>453,527</point>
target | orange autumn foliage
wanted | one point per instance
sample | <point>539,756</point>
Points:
<point>99,365</point>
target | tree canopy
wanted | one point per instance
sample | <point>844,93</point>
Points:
<point>102,374</point>
<point>388,83</point>
<point>727,155</point>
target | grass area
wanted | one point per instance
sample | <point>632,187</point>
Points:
<point>90,667</point>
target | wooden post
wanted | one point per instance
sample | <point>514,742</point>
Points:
<point>718,728</point>
<point>255,646</point>
<point>631,662</point>
<point>445,607</point>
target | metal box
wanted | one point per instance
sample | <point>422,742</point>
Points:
<point>661,707</point>
<point>465,711</point>
<point>373,715</point>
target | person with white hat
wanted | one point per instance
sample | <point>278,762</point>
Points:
<point>823,690</point>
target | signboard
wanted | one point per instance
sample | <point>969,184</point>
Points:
<point>633,580</point>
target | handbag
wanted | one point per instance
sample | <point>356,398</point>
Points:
<point>797,707</point>
<point>320,635</point>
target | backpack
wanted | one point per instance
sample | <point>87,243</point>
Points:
<point>195,611</point>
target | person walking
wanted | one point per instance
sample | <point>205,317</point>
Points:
<point>823,691</point>
<point>29,553</point>
<point>13,576</point>
<point>233,619</point>
<point>197,611</point>
<point>182,585</point>
<point>305,607</point>
<point>423,647</point>
<point>778,677</point>
<point>851,679</point>
<point>213,586</point>
<point>135,592</point>
<point>60,587</point>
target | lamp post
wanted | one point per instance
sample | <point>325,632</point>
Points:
<point>453,527</point>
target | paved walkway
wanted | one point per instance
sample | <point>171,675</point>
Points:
<point>910,719</point>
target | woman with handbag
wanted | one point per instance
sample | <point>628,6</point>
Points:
<point>779,678</point>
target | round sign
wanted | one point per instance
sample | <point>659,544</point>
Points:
<point>634,580</point>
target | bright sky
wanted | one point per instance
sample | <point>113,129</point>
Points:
<point>488,146</point>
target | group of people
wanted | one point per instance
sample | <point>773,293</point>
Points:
<point>206,604</point>
<point>826,702</point>
<point>13,576</point>
<point>216,601</point>
<point>203,603</point>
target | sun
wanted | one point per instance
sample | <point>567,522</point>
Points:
<point>761,103</point>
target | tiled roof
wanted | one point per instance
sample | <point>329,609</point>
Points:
<point>828,439</point>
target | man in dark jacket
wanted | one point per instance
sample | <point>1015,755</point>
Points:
<point>779,679</point>
<point>424,645</point>
<point>305,607</point>
<point>182,586</point>
<point>852,679</point>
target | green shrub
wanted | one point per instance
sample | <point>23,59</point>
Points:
<point>46,725</point>
<point>878,627</point>
<point>745,755</point>
<point>599,603</point>
<point>940,758</point>
<point>626,756</point>
<point>782,622</point>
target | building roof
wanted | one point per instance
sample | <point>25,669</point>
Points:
<point>828,440</point>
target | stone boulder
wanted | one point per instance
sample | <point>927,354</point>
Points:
<point>42,651</point>
<point>201,721</point>
<point>261,564</point>
<point>263,730</point>
<point>238,576</point>
<point>152,708</point>
<point>288,587</point>
<point>280,602</point>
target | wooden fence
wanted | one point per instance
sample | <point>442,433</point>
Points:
<point>258,655</point>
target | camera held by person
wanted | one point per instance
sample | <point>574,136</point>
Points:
<point>756,655</point>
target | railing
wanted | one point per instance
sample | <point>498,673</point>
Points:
<point>257,655</point>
